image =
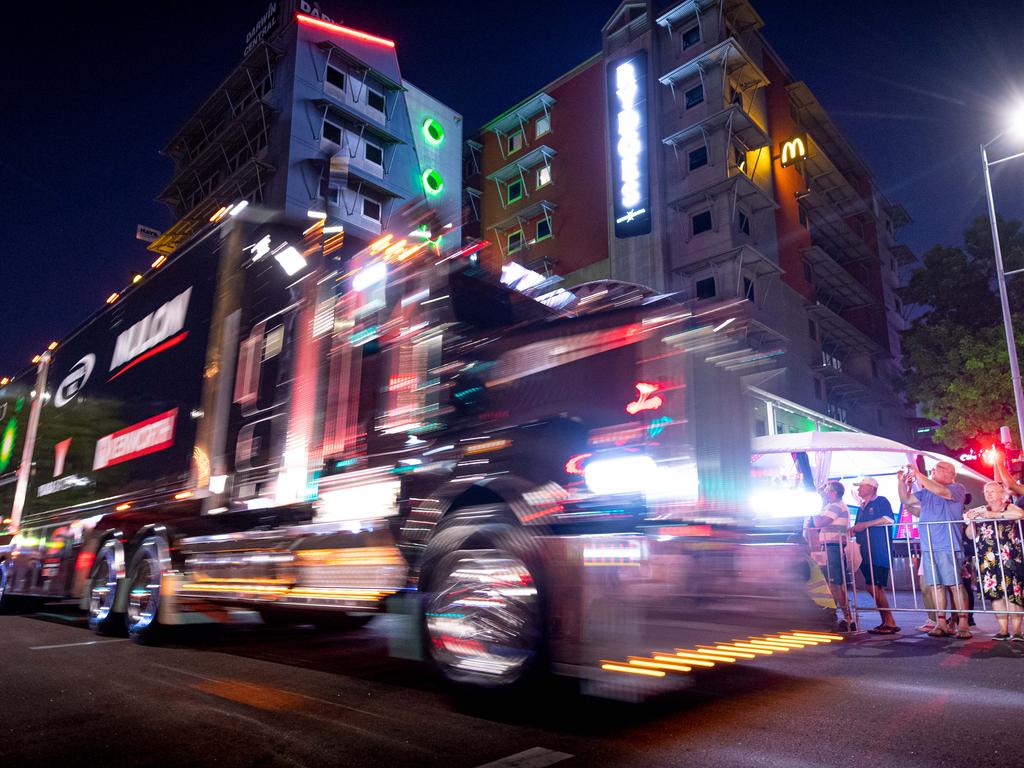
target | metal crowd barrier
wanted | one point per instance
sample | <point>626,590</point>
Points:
<point>907,561</point>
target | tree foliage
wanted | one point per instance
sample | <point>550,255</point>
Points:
<point>957,365</point>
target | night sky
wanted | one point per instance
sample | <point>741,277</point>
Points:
<point>92,91</point>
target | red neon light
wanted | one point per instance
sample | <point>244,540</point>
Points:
<point>174,340</point>
<point>645,402</point>
<point>574,466</point>
<point>329,27</point>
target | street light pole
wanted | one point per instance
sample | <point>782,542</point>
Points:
<point>1011,344</point>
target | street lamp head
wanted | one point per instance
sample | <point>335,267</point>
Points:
<point>1015,121</point>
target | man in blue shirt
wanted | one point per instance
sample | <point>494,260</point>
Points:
<point>872,531</point>
<point>941,509</point>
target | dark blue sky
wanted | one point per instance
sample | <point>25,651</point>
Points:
<point>92,91</point>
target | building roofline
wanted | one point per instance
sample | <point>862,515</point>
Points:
<point>544,89</point>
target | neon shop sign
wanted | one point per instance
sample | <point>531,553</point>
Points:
<point>627,99</point>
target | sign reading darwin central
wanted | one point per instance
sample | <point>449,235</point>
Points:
<point>627,102</point>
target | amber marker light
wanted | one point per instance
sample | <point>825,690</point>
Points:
<point>159,262</point>
<point>651,664</point>
<point>615,667</point>
<point>815,635</point>
<point>182,495</point>
<point>122,507</point>
<point>675,659</point>
<point>113,297</point>
<point>36,359</point>
<point>51,346</point>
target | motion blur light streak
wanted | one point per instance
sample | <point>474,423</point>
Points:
<point>616,667</point>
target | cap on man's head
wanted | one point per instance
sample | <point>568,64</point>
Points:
<point>867,481</point>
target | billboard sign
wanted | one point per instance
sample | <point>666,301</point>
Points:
<point>627,104</point>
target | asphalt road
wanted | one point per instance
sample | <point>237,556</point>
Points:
<point>298,697</point>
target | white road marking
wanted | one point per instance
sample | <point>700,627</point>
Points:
<point>538,757</point>
<point>69,645</point>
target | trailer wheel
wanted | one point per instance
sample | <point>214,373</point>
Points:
<point>142,616</point>
<point>104,583</point>
<point>484,607</point>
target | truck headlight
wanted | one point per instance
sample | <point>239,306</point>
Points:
<point>621,474</point>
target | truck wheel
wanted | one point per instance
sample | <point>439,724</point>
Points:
<point>483,613</point>
<point>103,586</point>
<point>143,583</point>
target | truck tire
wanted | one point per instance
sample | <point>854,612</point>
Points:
<point>484,606</point>
<point>105,581</point>
<point>143,582</point>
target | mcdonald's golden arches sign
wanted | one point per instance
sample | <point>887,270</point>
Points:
<point>794,149</point>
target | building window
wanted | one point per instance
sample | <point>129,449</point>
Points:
<point>697,157</point>
<point>543,229</point>
<point>808,273</point>
<point>812,330</point>
<point>543,176</point>
<point>514,142</point>
<point>514,191</point>
<point>332,132</point>
<point>899,305</point>
<point>373,154</point>
<point>701,222</point>
<point>694,96</point>
<point>831,361</point>
<point>874,368</point>
<point>543,125</point>
<point>705,288</point>
<point>744,223</point>
<point>691,36</point>
<point>336,78</point>
<point>371,209</point>
<point>802,217</point>
<point>748,289</point>
<point>375,100</point>
<point>514,241</point>
<point>817,387</point>
<point>740,158</point>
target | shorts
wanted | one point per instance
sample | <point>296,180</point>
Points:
<point>878,575</point>
<point>835,568</point>
<point>941,568</point>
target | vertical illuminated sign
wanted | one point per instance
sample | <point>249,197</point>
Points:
<point>627,103</point>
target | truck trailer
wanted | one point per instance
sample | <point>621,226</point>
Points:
<point>530,478</point>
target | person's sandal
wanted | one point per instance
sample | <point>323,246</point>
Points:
<point>963,634</point>
<point>926,627</point>
<point>938,632</point>
<point>884,629</point>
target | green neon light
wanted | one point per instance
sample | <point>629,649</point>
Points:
<point>433,182</point>
<point>433,131</point>
<point>7,443</point>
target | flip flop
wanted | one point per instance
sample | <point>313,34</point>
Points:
<point>938,632</point>
<point>926,627</point>
<point>883,629</point>
<point>963,634</point>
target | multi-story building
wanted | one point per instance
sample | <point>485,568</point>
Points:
<point>686,157</point>
<point>315,118</point>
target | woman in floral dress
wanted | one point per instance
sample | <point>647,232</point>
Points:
<point>996,530</point>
